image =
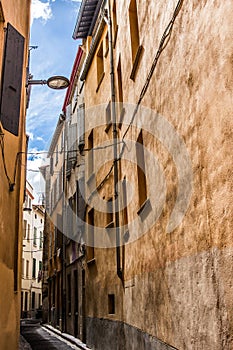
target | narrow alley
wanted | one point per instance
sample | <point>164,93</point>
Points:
<point>115,179</point>
<point>39,337</point>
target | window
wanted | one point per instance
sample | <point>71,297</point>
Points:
<point>56,155</point>
<point>22,293</point>
<point>90,243</point>
<point>55,192</point>
<point>114,23</point>
<point>29,203</point>
<point>22,267</point>
<point>34,268</point>
<point>111,304</point>
<point>51,165</point>
<point>125,202</point>
<point>40,265</point>
<point>106,45</point>
<point>34,236</point>
<point>26,301</point>
<point>60,186</point>
<point>35,216</point>
<point>51,200</point>
<point>110,216</point>
<point>120,91</point>
<point>81,126</point>
<point>108,117</point>
<point>26,200</point>
<point>33,300</point>
<point>27,268</point>
<point>100,66</point>
<point>24,228</point>
<point>90,154</point>
<point>134,31</point>
<point>41,239</point>
<point>61,141</point>
<point>39,300</point>
<point>142,191</point>
<point>28,233</point>
<point>69,293</point>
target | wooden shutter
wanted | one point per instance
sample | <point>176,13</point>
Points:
<point>12,80</point>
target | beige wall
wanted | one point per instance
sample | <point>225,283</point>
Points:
<point>16,13</point>
<point>177,285</point>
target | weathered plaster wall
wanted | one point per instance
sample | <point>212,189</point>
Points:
<point>185,275</point>
<point>177,285</point>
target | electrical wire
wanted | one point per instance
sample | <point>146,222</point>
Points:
<point>4,161</point>
<point>11,183</point>
<point>33,251</point>
<point>162,45</point>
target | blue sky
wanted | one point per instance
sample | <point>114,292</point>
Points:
<point>52,25</point>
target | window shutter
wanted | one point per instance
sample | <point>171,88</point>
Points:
<point>12,80</point>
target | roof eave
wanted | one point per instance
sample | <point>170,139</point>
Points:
<point>86,20</point>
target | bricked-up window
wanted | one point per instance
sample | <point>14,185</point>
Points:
<point>134,31</point>
<point>111,304</point>
<point>100,64</point>
<point>142,191</point>
<point>12,80</point>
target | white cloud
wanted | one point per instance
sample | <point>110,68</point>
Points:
<point>35,160</point>
<point>30,134</point>
<point>40,10</point>
<point>39,138</point>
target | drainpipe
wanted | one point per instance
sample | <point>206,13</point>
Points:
<point>115,136</point>
<point>64,217</point>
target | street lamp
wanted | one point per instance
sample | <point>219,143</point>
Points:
<point>57,82</point>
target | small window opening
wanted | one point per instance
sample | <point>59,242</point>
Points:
<point>111,304</point>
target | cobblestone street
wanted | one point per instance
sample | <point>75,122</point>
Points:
<point>40,338</point>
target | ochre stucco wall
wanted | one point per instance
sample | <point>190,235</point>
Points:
<point>17,14</point>
<point>178,285</point>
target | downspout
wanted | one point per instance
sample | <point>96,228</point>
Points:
<point>115,137</point>
<point>63,283</point>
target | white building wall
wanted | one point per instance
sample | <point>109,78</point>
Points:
<point>31,295</point>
